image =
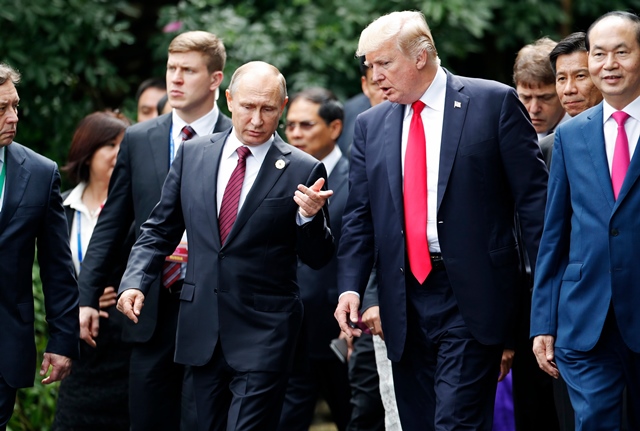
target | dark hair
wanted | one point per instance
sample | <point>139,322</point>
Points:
<point>161,103</point>
<point>160,83</point>
<point>575,42</point>
<point>93,132</point>
<point>330,107</point>
<point>363,67</point>
<point>629,16</point>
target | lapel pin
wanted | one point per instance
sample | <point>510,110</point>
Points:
<point>457,104</point>
<point>279,164</point>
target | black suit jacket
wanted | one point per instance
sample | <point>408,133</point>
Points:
<point>242,294</point>
<point>134,189</point>
<point>490,165</point>
<point>32,215</point>
<point>319,287</point>
<point>546,146</point>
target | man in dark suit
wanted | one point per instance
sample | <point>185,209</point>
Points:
<point>31,214</point>
<point>314,122</point>
<point>194,73</point>
<point>585,300</point>
<point>240,307</point>
<point>447,255</point>
<point>577,93</point>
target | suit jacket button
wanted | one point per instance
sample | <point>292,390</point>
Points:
<point>402,270</point>
<point>614,232</point>
<point>215,290</point>
<point>221,255</point>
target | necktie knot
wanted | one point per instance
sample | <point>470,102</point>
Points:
<point>620,117</point>
<point>187,133</point>
<point>243,153</point>
<point>417,107</point>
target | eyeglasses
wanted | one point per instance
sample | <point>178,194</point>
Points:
<point>304,125</point>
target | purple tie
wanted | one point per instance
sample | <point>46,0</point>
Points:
<point>231,197</point>
<point>620,154</point>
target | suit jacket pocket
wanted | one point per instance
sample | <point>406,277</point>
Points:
<point>573,272</point>
<point>187,292</point>
<point>504,256</point>
<point>275,303</point>
<point>278,202</point>
<point>26,312</point>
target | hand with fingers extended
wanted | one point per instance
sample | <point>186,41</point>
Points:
<point>130,304</point>
<point>311,199</point>
<point>107,299</point>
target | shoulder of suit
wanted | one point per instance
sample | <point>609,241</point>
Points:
<point>143,127</point>
<point>31,156</point>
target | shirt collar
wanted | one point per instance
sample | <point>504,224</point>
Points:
<point>2,154</point>
<point>74,200</point>
<point>331,160</point>
<point>434,97</point>
<point>633,109</point>
<point>203,125</point>
<point>233,143</point>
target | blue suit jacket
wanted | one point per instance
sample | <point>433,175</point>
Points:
<point>591,242</point>
<point>490,164</point>
<point>242,294</point>
<point>32,215</point>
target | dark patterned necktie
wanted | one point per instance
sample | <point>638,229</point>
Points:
<point>231,197</point>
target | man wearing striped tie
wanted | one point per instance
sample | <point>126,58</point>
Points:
<point>252,205</point>
<point>194,73</point>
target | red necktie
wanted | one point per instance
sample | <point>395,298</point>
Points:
<point>415,197</point>
<point>231,197</point>
<point>171,271</point>
<point>620,154</point>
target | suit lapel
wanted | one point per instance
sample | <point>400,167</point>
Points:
<point>392,150</point>
<point>267,177</point>
<point>593,135</point>
<point>210,166</point>
<point>16,180</point>
<point>158,147</point>
<point>455,112</point>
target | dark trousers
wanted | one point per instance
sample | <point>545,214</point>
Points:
<point>156,398</point>
<point>7,400</point>
<point>597,379</point>
<point>445,379</point>
<point>367,410</point>
<point>227,399</point>
<point>325,377</point>
<point>533,393</point>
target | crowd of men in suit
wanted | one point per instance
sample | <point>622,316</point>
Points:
<point>438,228</point>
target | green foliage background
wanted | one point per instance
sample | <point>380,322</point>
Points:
<point>78,56</point>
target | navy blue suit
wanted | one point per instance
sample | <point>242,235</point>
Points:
<point>321,372</point>
<point>586,291</point>
<point>32,215</point>
<point>490,166</point>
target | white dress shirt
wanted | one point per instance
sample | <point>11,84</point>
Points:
<point>631,126</point>
<point>203,126</point>
<point>4,186</point>
<point>432,119</point>
<point>229,160</point>
<point>80,234</point>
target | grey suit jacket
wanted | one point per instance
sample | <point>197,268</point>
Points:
<point>242,294</point>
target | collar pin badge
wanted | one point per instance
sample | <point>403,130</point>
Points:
<point>457,104</point>
<point>279,164</point>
